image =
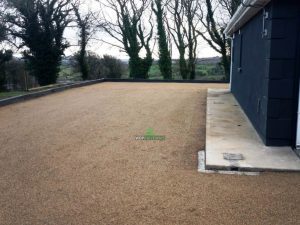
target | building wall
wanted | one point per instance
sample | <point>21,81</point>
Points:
<point>283,80</point>
<point>250,71</point>
<point>264,70</point>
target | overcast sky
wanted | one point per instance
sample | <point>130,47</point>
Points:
<point>101,48</point>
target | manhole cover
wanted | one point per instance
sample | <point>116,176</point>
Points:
<point>231,156</point>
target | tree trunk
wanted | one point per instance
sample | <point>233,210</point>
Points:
<point>139,68</point>
<point>226,64</point>
<point>82,59</point>
<point>191,64</point>
<point>2,77</point>
<point>182,66</point>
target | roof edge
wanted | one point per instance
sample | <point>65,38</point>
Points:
<point>244,13</point>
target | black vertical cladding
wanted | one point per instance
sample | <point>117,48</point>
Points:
<point>249,72</point>
<point>283,79</point>
<point>264,79</point>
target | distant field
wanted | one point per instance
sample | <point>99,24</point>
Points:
<point>207,69</point>
<point>204,71</point>
<point>67,74</point>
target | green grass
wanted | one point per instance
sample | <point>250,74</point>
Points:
<point>67,74</point>
<point>154,72</point>
<point>9,94</point>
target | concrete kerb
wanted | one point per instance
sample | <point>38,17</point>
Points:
<point>38,94</point>
<point>166,81</point>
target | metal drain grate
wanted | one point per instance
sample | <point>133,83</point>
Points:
<point>231,156</point>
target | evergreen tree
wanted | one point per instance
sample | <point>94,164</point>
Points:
<point>40,25</point>
<point>165,61</point>
<point>5,56</point>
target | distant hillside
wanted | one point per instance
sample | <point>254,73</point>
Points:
<point>203,61</point>
<point>200,61</point>
<point>211,60</point>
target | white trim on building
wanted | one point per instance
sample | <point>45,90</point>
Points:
<point>247,10</point>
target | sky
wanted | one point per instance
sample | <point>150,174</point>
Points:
<point>101,48</point>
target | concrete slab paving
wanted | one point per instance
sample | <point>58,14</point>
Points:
<point>228,131</point>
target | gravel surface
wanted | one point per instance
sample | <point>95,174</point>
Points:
<point>73,158</point>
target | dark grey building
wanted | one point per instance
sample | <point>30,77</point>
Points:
<point>266,67</point>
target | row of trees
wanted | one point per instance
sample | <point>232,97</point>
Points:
<point>98,67</point>
<point>37,28</point>
<point>181,22</point>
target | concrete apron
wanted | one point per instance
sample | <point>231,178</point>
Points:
<point>232,143</point>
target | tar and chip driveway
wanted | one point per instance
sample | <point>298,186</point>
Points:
<point>73,158</point>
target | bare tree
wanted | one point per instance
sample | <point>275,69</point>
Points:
<point>191,8</point>
<point>129,29</point>
<point>214,27</point>
<point>86,23</point>
<point>182,25</point>
<point>230,6</point>
<point>178,33</point>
